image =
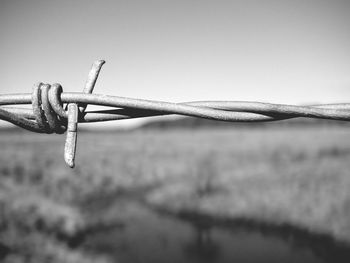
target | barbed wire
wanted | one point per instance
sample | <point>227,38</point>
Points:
<point>55,111</point>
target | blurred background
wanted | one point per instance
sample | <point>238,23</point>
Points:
<point>183,190</point>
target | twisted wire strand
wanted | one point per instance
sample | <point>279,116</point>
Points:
<point>232,111</point>
<point>50,115</point>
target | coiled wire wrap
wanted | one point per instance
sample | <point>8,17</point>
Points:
<point>48,114</point>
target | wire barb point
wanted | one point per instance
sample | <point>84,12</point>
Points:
<point>71,137</point>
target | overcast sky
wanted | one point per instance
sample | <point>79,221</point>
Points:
<point>273,51</point>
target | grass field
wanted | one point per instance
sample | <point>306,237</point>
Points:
<point>275,175</point>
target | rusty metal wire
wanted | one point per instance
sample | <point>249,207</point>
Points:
<point>49,115</point>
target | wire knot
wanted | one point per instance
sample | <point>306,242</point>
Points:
<point>52,117</point>
<point>48,120</point>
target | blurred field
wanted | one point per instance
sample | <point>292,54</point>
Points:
<point>276,175</point>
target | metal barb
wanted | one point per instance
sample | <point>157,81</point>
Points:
<point>91,81</point>
<point>73,115</point>
<point>71,137</point>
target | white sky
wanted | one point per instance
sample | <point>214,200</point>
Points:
<point>274,51</point>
